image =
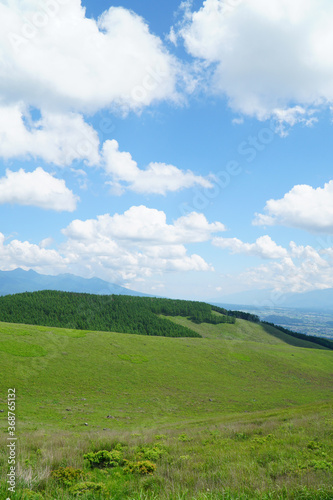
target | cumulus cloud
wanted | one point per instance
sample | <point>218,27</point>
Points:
<point>123,248</point>
<point>55,138</point>
<point>157,178</point>
<point>54,57</point>
<point>38,189</point>
<point>290,275</point>
<point>145,226</point>
<point>296,268</point>
<point>265,56</point>
<point>29,256</point>
<point>301,269</point>
<point>264,247</point>
<point>64,65</point>
<point>138,243</point>
<point>302,207</point>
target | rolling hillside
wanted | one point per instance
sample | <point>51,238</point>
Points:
<point>143,379</point>
<point>248,406</point>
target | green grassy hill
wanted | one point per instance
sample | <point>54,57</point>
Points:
<point>244,401</point>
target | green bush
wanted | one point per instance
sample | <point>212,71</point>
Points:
<point>313,445</point>
<point>158,437</point>
<point>184,438</point>
<point>86,487</point>
<point>143,467</point>
<point>104,458</point>
<point>151,453</point>
<point>67,475</point>
<point>321,465</point>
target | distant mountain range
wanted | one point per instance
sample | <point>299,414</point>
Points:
<point>19,281</point>
<point>316,299</point>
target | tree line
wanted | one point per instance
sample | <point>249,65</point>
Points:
<point>237,314</point>
<point>117,313</point>
<point>123,314</point>
<point>310,338</point>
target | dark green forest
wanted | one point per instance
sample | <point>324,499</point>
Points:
<point>310,338</point>
<point>237,314</point>
<point>122,313</point>
<point>117,313</point>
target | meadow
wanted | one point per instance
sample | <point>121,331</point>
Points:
<point>245,412</point>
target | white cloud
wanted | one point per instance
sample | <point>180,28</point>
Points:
<point>157,178</point>
<point>145,227</point>
<point>38,189</point>
<point>125,248</point>
<point>289,275</point>
<point>299,269</point>
<point>55,138</point>
<point>264,247</point>
<point>266,57</point>
<point>303,207</point>
<point>59,62</point>
<point>46,242</point>
<point>308,254</point>
<point>137,243</point>
<point>238,121</point>
<point>27,255</point>
<point>64,60</point>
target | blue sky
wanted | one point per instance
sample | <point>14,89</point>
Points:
<point>181,149</point>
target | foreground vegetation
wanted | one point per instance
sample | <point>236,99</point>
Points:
<point>239,411</point>
<point>285,454</point>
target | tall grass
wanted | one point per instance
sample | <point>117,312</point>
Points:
<point>287,456</point>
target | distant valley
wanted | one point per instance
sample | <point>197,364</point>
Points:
<point>312,301</point>
<point>307,321</point>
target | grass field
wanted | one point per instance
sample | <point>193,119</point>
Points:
<point>245,412</point>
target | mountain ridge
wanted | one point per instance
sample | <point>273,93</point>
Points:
<point>20,281</point>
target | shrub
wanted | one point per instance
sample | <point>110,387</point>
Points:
<point>184,438</point>
<point>86,487</point>
<point>67,475</point>
<point>313,445</point>
<point>143,468</point>
<point>160,436</point>
<point>153,453</point>
<point>104,458</point>
<point>321,465</point>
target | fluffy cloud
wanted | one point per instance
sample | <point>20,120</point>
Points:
<point>27,255</point>
<point>297,268</point>
<point>157,178</point>
<point>290,276</point>
<point>301,269</point>
<point>144,227</point>
<point>137,243</point>
<point>38,189</point>
<point>265,56</point>
<point>124,248</point>
<point>303,207</point>
<point>55,138</point>
<point>264,247</point>
<point>59,62</point>
<point>54,57</point>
